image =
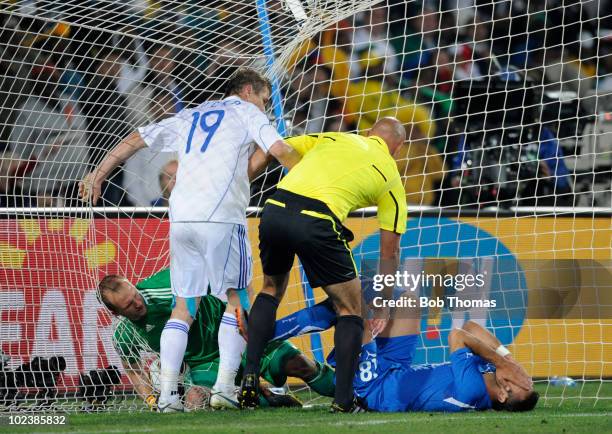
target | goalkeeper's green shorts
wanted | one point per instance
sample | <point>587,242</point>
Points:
<point>272,367</point>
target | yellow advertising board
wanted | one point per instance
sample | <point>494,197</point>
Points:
<point>569,345</point>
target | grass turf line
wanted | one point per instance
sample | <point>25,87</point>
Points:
<point>568,417</point>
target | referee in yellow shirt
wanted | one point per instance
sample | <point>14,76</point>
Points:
<point>337,174</point>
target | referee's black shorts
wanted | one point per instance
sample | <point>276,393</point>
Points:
<point>292,224</point>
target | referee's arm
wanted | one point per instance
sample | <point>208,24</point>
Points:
<point>392,220</point>
<point>392,212</point>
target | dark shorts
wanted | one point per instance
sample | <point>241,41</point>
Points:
<point>296,225</point>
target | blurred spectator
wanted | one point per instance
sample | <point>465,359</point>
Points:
<point>162,66</point>
<point>147,101</point>
<point>416,42</point>
<point>554,186</point>
<point>372,40</point>
<point>433,89</point>
<point>101,25</point>
<point>570,22</point>
<point>159,98</point>
<point>107,116</point>
<point>230,54</point>
<point>140,177</point>
<point>204,21</point>
<point>193,30</point>
<point>569,45</point>
<point>517,32</point>
<point>309,100</point>
<point>463,11</point>
<point>133,67</point>
<point>604,70</point>
<point>47,42</point>
<point>437,73</point>
<point>36,29</point>
<point>167,179</point>
<point>368,99</point>
<point>55,53</point>
<point>548,184</point>
<point>472,55</point>
<point>48,145</point>
<point>13,75</point>
<point>565,72</point>
<point>421,170</point>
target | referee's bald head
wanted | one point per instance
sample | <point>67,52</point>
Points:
<point>391,131</point>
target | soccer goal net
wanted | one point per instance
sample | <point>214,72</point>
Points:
<point>507,108</point>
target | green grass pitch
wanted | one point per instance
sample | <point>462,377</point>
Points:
<point>567,415</point>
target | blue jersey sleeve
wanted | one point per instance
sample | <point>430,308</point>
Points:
<point>469,386</point>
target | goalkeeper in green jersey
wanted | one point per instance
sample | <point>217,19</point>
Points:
<point>145,309</point>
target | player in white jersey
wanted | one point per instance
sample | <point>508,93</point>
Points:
<point>209,247</point>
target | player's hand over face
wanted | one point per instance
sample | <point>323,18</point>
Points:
<point>90,188</point>
<point>511,372</point>
<point>522,370</point>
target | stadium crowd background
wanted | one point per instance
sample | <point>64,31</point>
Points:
<point>73,84</point>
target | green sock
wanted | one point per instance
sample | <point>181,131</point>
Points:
<point>323,382</point>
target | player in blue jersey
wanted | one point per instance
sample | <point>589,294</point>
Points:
<point>480,375</point>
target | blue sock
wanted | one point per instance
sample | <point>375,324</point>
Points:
<point>321,316</point>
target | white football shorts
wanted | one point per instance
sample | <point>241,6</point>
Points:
<point>209,254</point>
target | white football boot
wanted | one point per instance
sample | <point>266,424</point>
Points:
<point>172,406</point>
<point>223,397</point>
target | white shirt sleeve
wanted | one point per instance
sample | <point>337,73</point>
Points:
<point>168,135</point>
<point>260,129</point>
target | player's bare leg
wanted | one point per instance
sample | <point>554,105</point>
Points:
<point>173,343</point>
<point>260,331</point>
<point>348,335</point>
<point>404,320</point>
<point>231,346</point>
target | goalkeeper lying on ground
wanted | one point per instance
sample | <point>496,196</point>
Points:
<point>145,309</point>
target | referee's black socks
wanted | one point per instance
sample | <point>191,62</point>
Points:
<point>347,340</point>
<point>260,330</point>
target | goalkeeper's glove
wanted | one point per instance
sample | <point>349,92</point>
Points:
<point>151,402</point>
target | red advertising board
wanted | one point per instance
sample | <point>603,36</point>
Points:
<point>48,272</point>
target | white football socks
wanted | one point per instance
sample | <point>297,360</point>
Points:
<point>172,343</point>
<point>231,347</point>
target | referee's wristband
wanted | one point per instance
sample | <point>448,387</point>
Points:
<point>502,351</point>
